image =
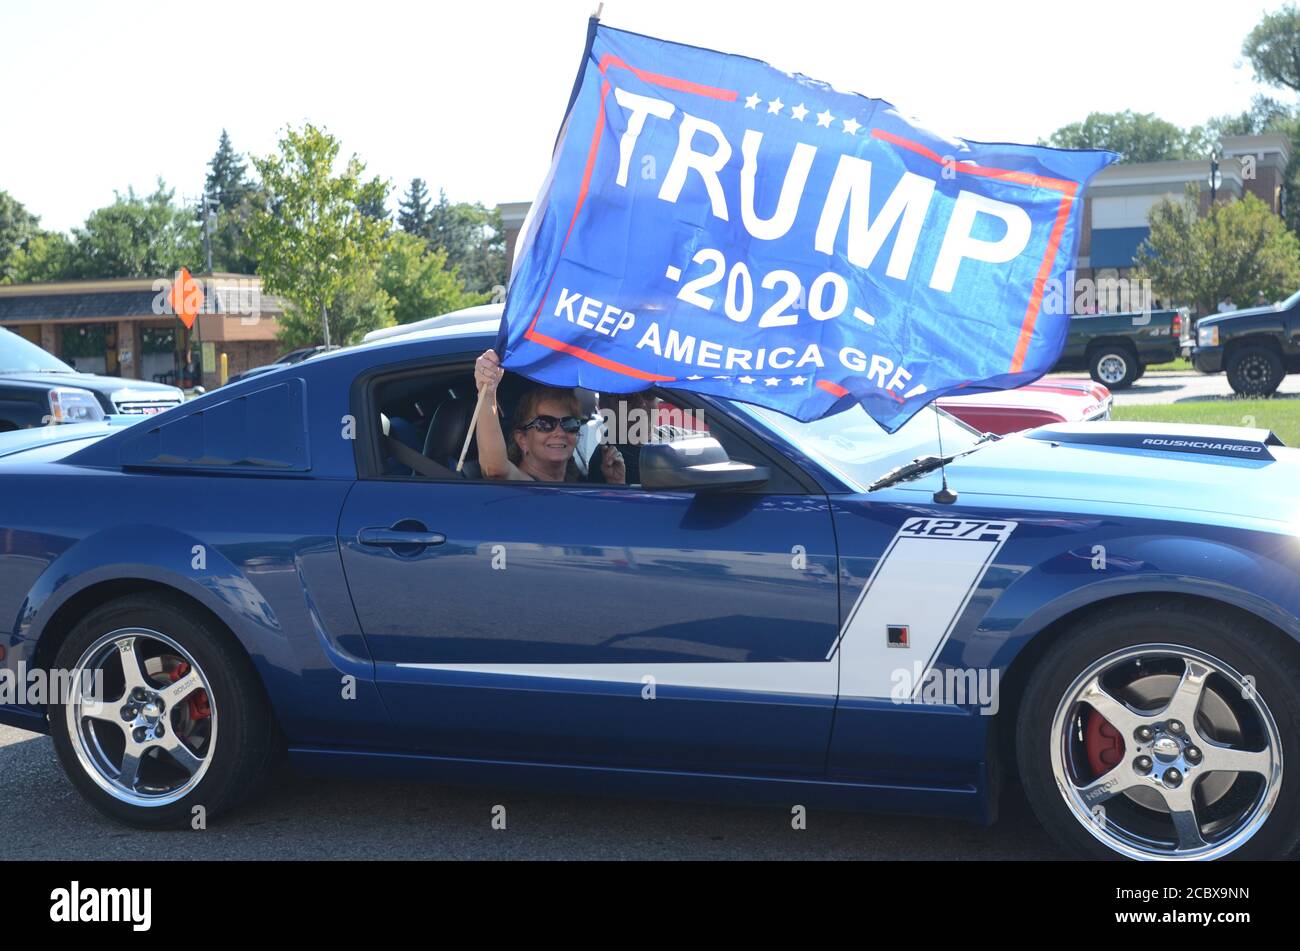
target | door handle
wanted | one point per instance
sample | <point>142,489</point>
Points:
<point>399,537</point>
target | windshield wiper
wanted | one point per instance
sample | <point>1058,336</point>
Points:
<point>923,464</point>
<point>917,467</point>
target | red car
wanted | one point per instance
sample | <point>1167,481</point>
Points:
<point>1037,404</point>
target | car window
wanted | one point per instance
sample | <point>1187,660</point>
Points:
<point>425,414</point>
<point>19,355</point>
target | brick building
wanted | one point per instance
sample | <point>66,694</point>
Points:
<point>123,327</point>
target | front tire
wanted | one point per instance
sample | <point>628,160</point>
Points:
<point>182,721</point>
<point>1161,731</point>
<point>1255,371</point>
<point>1113,367</point>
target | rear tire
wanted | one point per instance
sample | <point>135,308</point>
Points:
<point>1113,366</point>
<point>1143,667</point>
<point>1255,370</point>
<point>195,730</point>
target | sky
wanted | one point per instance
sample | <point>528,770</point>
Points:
<point>99,96</point>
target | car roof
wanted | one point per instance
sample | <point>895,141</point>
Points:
<point>467,315</point>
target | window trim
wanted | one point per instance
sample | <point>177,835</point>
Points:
<point>368,456</point>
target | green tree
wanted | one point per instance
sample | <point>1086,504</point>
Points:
<point>413,213</point>
<point>227,184</point>
<point>137,236</point>
<point>315,246</point>
<point>46,256</point>
<point>419,281</point>
<point>17,227</point>
<point>1238,250</point>
<point>1264,115</point>
<point>1137,137</point>
<point>227,180</point>
<point>1273,48</point>
<point>473,238</point>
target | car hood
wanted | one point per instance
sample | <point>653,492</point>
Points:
<point>1216,318</point>
<point>23,440</point>
<point>91,381</point>
<point>1219,470</point>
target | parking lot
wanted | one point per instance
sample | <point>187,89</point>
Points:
<point>42,817</point>
<point>1182,387</point>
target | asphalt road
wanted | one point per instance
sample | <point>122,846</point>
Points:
<point>1180,387</point>
<point>301,817</point>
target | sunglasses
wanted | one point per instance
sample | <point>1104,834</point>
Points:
<point>547,424</point>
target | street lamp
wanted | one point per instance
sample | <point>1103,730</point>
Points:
<point>1216,179</point>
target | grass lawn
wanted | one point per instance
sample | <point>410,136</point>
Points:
<point>1180,364</point>
<point>1280,415</point>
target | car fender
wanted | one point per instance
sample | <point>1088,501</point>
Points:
<point>176,560</point>
<point>1163,564</point>
<point>317,689</point>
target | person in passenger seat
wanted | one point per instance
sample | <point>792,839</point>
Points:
<point>542,432</point>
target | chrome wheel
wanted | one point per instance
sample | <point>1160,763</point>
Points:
<point>1164,752</point>
<point>1112,368</point>
<point>149,739</point>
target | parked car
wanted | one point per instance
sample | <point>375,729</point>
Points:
<point>781,611</point>
<point>39,389</point>
<point>1037,404</point>
<point>1116,349</point>
<point>285,359</point>
<point>1256,347</point>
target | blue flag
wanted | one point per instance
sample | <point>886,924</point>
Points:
<point>712,224</point>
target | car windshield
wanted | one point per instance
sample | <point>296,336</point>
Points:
<point>853,446</point>
<point>18,355</point>
<point>1289,302</point>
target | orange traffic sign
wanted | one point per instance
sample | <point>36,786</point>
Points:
<point>186,297</point>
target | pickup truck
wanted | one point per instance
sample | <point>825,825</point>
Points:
<point>38,389</point>
<point>1116,349</point>
<point>1257,346</point>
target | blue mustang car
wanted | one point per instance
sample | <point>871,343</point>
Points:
<point>799,613</point>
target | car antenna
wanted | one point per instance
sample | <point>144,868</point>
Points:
<point>945,496</point>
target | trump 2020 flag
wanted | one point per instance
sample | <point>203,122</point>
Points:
<point>713,224</point>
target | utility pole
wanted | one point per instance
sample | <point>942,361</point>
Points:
<point>209,206</point>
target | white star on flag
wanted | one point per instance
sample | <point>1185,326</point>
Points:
<point>824,119</point>
<point>775,106</point>
<point>851,126</point>
<point>799,111</point>
<point>771,381</point>
<point>798,380</point>
<point>746,379</point>
<point>753,101</point>
<point>693,377</point>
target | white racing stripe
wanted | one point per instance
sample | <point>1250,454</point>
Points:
<point>924,580</point>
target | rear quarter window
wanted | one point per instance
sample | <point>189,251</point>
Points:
<point>262,431</point>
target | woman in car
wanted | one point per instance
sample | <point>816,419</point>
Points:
<point>543,432</point>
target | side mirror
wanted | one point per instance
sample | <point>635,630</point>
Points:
<point>695,462</point>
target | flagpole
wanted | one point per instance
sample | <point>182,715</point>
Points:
<point>473,424</point>
<point>592,23</point>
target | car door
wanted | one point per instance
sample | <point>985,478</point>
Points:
<point>599,625</point>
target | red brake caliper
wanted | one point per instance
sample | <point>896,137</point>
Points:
<point>1103,744</point>
<point>198,700</point>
